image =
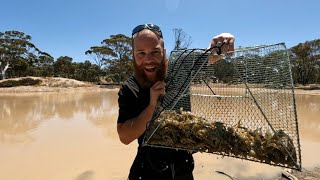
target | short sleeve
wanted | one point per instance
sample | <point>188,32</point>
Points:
<point>126,102</point>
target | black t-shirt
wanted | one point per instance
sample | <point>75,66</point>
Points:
<point>132,101</point>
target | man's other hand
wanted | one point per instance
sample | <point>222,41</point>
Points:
<point>227,49</point>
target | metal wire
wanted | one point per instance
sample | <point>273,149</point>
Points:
<point>253,88</point>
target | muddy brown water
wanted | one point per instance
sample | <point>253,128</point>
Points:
<point>72,136</point>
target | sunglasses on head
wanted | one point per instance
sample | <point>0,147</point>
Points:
<point>151,27</point>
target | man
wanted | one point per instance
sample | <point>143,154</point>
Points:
<point>138,98</point>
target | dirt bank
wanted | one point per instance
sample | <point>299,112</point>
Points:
<point>54,84</point>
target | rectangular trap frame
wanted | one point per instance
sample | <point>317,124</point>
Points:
<point>247,99</point>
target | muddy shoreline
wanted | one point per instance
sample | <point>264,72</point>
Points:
<point>32,89</point>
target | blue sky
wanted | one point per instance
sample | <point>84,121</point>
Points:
<point>70,27</point>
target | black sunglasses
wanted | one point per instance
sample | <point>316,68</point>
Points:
<point>151,27</point>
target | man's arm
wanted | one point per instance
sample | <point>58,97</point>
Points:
<point>135,127</point>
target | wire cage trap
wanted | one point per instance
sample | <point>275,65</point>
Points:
<point>242,106</point>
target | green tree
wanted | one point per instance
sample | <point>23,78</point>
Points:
<point>63,67</point>
<point>304,58</point>
<point>115,56</point>
<point>19,68</point>
<point>15,50</point>
<point>85,71</point>
<point>99,54</point>
<point>119,66</point>
<point>41,65</point>
<point>224,71</point>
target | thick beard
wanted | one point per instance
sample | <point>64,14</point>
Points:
<point>142,78</point>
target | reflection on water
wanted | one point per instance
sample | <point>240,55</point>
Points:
<point>73,136</point>
<point>309,116</point>
<point>61,136</point>
<point>22,114</point>
<point>308,107</point>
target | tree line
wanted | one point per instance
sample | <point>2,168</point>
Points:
<point>112,59</point>
<point>20,57</point>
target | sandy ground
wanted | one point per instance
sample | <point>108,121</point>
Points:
<point>55,84</point>
<point>305,174</point>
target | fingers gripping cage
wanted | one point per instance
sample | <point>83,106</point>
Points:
<point>242,106</point>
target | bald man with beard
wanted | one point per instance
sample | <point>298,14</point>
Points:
<point>138,98</point>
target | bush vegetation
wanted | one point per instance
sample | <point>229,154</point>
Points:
<point>20,82</point>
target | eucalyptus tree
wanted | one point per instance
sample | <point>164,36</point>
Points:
<point>16,49</point>
<point>63,67</point>
<point>304,59</point>
<point>86,71</point>
<point>43,65</point>
<point>114,56</point>
<point>99,54</point>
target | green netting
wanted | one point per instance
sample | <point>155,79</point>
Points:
<point>242,106</point>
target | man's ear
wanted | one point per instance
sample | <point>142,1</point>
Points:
<point>166,62</point>
<point>165,54</point>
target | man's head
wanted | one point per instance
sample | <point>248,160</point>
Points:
<point>149,54</point>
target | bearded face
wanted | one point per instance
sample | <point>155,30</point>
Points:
<point>149,55</point>
<point>149,73</point>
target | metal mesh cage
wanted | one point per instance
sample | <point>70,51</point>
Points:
<point>242,106</point>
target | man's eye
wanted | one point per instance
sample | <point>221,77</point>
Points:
<point>141,54</point>
<point>155,53</point>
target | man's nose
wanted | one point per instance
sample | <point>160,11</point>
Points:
<point>150,57</point>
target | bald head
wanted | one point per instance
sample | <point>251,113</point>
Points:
<point>146,35</point>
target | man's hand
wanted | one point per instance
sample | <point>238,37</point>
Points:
<point>158,89</point>
<point>133,128</point>
<point>226,49</point>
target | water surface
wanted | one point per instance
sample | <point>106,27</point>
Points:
<point>72,136</point>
